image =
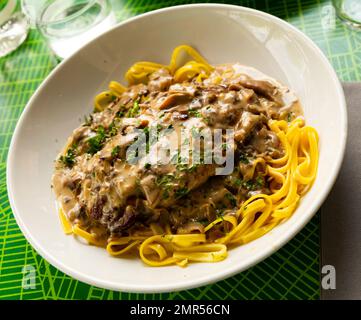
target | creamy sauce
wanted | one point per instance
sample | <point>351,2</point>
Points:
<point>98,188</point>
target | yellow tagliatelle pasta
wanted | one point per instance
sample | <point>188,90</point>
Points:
<point>289,177</point>
<point>91,238</point>
<point>140,72</point>
<point>67,226</point>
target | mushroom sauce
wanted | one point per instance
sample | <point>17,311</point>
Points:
<point>102,192</point>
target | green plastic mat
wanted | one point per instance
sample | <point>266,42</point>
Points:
<point>290,273</point>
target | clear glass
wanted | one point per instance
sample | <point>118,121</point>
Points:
<point>349,11</point>
<point>69,24</point>
<point>31,9</point>
<point>14,27</point>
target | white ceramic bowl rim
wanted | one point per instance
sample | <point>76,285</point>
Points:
<point>189,283</point>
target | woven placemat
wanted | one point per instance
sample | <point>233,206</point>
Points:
<point>290,273</point>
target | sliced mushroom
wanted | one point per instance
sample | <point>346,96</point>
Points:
<point>173,100</point>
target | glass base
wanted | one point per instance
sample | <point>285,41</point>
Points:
<point>13,33</point>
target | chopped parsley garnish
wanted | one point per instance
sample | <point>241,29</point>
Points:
<point>112,130</point>
<point>134,111</point>
<point>146,131</point>
<point>69,158</point>
<point>159,127</point>
<point>289,116</point>
<point>182,163</point>
<point>192,168</point>
<point>165,194</point>
<point>207,120</point>
<point>249,185</point>
<point>181,192</point>
<point>115,151</point>
<point>194,113</point>
<point>231,199</point>
<point>112,97</point>
<point>120,113</point>
<point>243,158</point>
<point>149,140</point>
<point>165,180</point>
<point>147,165</point>
<point>237,182</point>
<point>96,143</point>
<point>259,182</point>
<point>182,167</point>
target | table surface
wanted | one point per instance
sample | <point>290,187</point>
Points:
<point>290,273</point>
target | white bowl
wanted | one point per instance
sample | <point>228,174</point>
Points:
<point>222,33</point>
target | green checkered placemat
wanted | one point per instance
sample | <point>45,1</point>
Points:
<point>291,273</point>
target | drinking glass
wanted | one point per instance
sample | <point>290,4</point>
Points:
<point>69,24</point>
<point>349,11</point>
<point>31,9</point>
<point>14,27</point>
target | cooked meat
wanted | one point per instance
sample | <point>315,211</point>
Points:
<point>246,125</point>
<point>125,221</point>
